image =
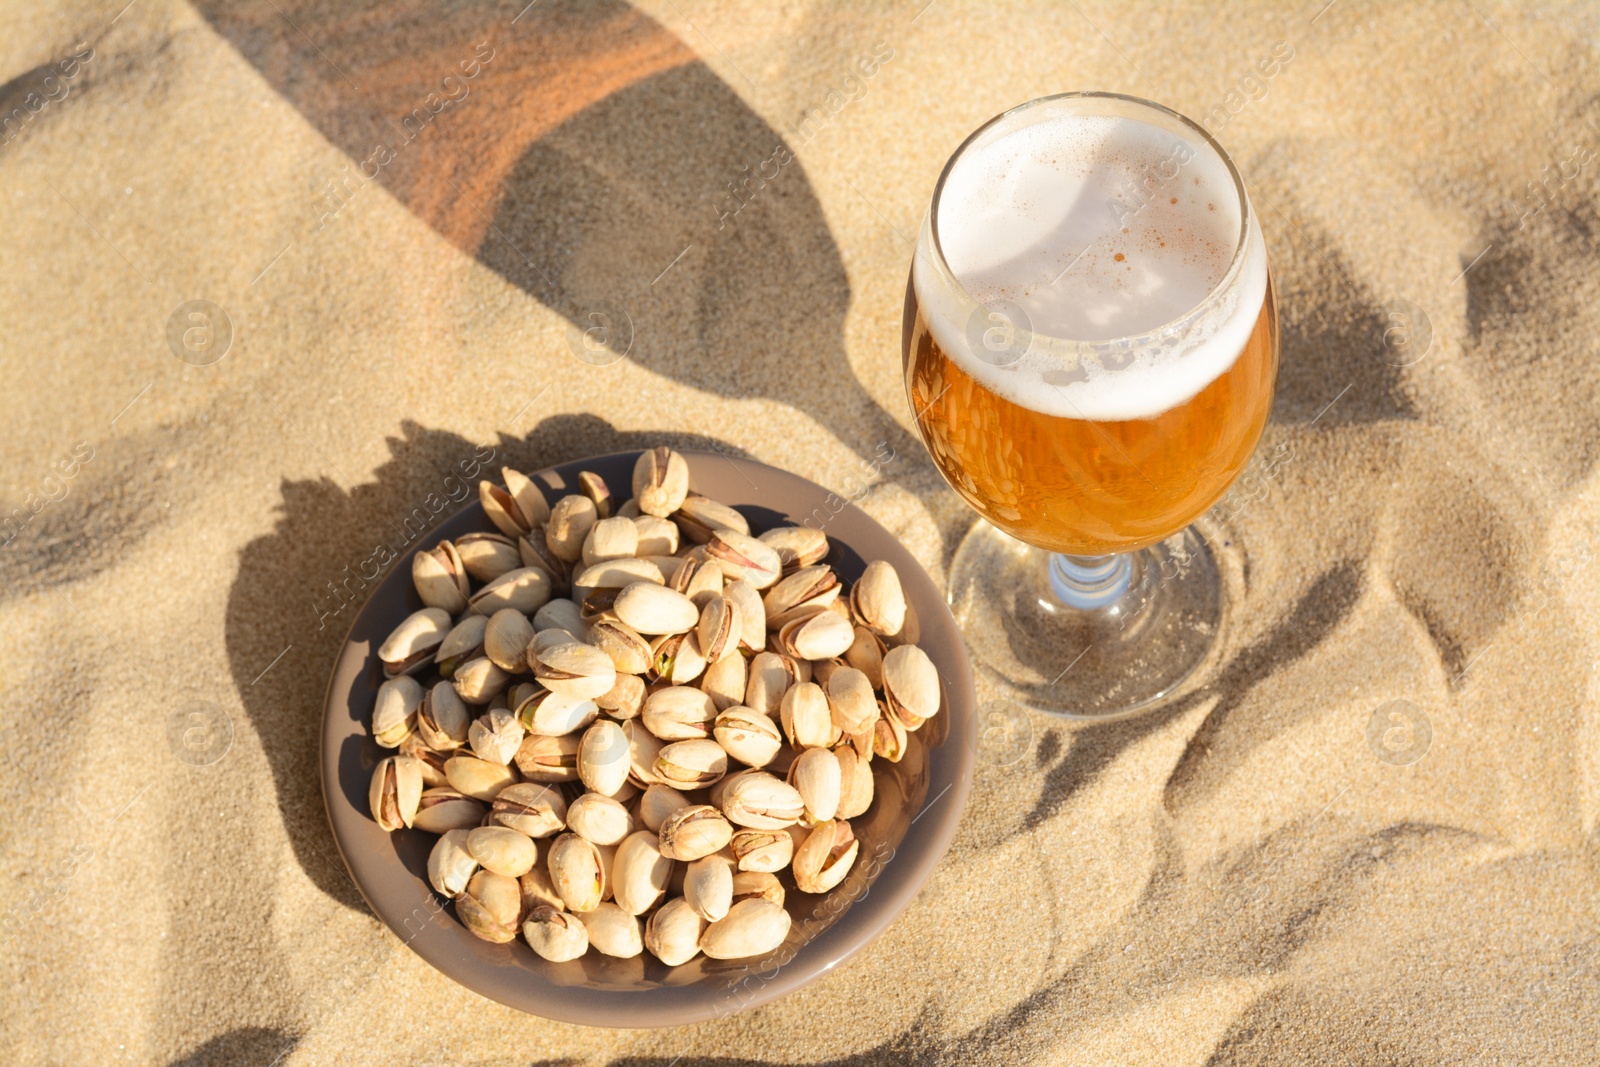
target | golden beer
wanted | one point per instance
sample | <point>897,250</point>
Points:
<point>1087,487</point>
<point>1090,350</point>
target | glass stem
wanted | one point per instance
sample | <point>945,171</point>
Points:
<point>1090,582</point>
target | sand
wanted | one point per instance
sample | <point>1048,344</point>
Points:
<point>1240,880</point>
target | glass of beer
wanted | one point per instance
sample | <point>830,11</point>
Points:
<point>1090,351</point>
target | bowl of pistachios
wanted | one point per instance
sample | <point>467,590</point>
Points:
<point>648,738</point>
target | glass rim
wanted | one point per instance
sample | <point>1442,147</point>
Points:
<point>1214,296</point>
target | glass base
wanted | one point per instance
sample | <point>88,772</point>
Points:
<point>1091,638</point>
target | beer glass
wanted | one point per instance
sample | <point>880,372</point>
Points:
<point>1090,351</point>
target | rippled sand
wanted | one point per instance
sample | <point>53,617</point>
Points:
<point>1245,879</point>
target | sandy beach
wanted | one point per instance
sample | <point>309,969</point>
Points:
<point>522,234</point>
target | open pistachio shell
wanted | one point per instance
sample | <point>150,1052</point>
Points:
<point>411,645</point>
<point>395,791</point>
<point>441,578</point>
<point>554,934</point>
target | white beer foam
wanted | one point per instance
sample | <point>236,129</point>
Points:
<point>1072,218</point>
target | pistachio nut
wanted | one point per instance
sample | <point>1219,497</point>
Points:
<point>850,695</point>
<point>618,573</point>
<point>801,593</point>
<point>807,719</point>
<point>570,522</point>
<point>548,759</point>
<point>395,791</point>
<point>676,658</point>
<point>865,654</point>
<point>530,808</point>
<point>856,784</point>
<point>762,850</point>
<point>478,778</point>
<point>463,644</point>
<point>412,644</point>
<point>599,819</point>
<point>526,589</point>
<point>444,809</point>
<point>672,933</point>
<point>823,634</point>
<point>825,857</point>
<point>608,539</point>
<point>910,685</point>
<point>554,934</point>
<point>699,517</point>
<point>655,536</point>
<point>654,609</point>
<point>660,481</point>
<point>450,865</point>
<point>708,886</point>
<point>762,802</point>
<point>506,639</point>
<point>742,557</point>
<point>724,681</point>
<point>718,629</point>
<point>603,757</point>
<point>797,546</point>
<point>762,884</point>
<point>752,613</point>
<point>479,681</point>
<point>441,578</point>
<point>577,872</point>
<point>490,907</point>
<point>691,764</point>
<point>495,736</point>
<point>693,832</point>
<point>698,580</point>
<point>575,670</point>
<point>752,927</point>
<point>658,802</point>
<point>770,678</point>
<point>747,735</point>
<point>877,601</point>
<point>613,931</point>
<point>625,698</point>
<point>442,718</point>
<point>629,652</point>
<point>487,556</point>
<point>679,713</point>
<point>556,714</point>
<point>594,487</point>
<point>502,850</point>
<point>639,875</point>
<point>506,511</point>
<point>816,777</point>
<point>394,710</point>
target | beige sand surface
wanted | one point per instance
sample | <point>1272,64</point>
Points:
<point>1240,881</point>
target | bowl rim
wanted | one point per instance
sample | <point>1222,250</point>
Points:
<point>431,931</point>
